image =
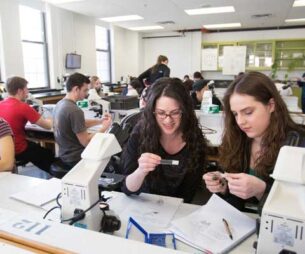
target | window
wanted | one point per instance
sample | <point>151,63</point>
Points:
<point>34,47</point>
<point>103,53</point>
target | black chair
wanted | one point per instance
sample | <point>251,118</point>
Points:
<point>131,120</point>
<point>59,169</point>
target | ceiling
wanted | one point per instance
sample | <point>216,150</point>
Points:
<point>154,11</point>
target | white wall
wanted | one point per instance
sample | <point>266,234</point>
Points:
<point>183,52</point>
<point>132,53</point>
<point>66,32</point>
<point>125,53</point>
<point>11,49</point>
<point>70,32</point>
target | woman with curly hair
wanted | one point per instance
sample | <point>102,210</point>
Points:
<point>256,125</point>
<point>168,130</point>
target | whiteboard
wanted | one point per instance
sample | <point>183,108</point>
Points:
<point>234,60</point>
<point>209,59</point>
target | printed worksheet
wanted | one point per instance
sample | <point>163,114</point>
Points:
<point>215,227</point>
<point>147,209</point>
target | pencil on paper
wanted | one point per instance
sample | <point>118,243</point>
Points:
<point>169,162</point>
<point>227,228</point>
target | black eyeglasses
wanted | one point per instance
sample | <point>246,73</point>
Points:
<point>175,114</point>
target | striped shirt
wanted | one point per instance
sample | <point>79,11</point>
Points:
<point>5,129</point>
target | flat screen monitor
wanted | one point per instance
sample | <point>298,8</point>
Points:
<point>73,61</point>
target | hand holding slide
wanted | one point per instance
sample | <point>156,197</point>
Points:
<point>245,186</point>
<point>215,182</point>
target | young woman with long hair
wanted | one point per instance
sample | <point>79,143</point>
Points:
<point>256,125</point>
<point>169,130</point>
<point>159,70</point>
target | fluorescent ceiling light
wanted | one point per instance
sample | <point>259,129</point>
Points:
<point>140,28</point>
<point>62,1</point>
<point>294,20</point>
<point>122,18</point>
<point>210,10</point>
<point>298,3</point>
<point>227,25</point>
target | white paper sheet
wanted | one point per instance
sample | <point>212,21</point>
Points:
<point>147,209</point>
<point>204,229</point>
<point>40,194</point>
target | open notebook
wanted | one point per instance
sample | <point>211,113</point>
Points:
<point>204,229</point>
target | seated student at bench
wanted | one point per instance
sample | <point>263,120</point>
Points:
<point>70,126</point>
<point>256,125</point>
<point>7,152</point>
<point>17,113</point>
<point>168,130</point>
<point>95,88</point>
<point>199,88</point>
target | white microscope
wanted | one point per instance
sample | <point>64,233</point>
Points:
<point>282,228</point>
<point>80,185</point>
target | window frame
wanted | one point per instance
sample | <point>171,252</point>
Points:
<point>44,43</point>
<point>108,50</point>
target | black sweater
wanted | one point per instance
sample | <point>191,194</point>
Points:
<point>294,138</point>
<point>161,71</point>
<point>168,180</point>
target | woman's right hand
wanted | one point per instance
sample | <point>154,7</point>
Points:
<point>148,162</point>
<point>214,182</point>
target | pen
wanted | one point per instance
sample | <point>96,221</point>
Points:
<point>228,230</point>
<point>169,162</point>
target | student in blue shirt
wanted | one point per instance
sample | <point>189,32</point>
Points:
<point>256,125</point>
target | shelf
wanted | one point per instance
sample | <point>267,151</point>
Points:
<point>267,51</point>
<point>280,49</point>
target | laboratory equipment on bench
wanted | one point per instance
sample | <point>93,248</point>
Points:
<point>99,106</point>
<point>282,227</point>
<point>80,195</point>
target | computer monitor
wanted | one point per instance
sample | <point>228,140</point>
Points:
<point>73,61</point>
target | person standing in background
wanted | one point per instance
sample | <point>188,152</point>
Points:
<point>301,83</point>
<point>159,70</point>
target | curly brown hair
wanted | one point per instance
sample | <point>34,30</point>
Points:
<point>236,145</point>
<point>191,132</point>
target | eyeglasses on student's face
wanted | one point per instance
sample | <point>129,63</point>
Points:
<point>174,114</point>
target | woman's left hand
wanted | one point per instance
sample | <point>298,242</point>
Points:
<point>245,186</point>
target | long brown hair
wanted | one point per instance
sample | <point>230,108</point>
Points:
<point>236,146</point>
<point>160,60</point>
<point>191,132</point>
